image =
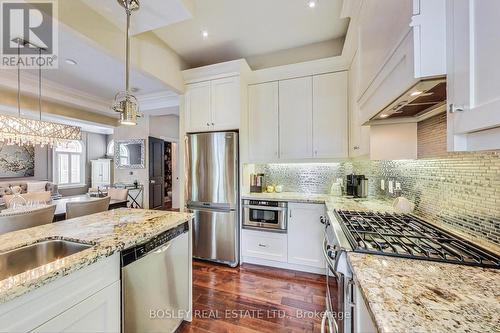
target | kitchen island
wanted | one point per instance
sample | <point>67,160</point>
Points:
<point>107,233</point>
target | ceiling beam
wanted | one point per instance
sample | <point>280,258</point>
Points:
<point>149,53</point>
<point>8,98</point>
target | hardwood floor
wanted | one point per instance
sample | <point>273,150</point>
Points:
<point>252,298</point>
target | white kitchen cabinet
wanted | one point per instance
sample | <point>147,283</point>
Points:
<point>295,118</point>
<point>213,105</point>
<point>305,234</point>
<point>85,290</point>
<point>264,245</point>
<point>102,172</point>
<point>198,114</point>
<point>363,322</point>
<point>225,106</point>
<point>359,136</point>
<point>263,122</point>
<point>98,313</point>
<point>330,138</point>
<point>473,74</point>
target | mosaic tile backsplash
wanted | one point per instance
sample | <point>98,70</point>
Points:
<point>461,190</point>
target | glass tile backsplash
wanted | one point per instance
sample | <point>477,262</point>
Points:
<point>461,190</point>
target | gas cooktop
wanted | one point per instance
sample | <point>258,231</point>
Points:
<point>407,236</point>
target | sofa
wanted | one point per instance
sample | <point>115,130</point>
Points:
<point>9,187</point>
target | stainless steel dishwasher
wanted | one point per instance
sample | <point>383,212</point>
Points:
<point>155,283</point>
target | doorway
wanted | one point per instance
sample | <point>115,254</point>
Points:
<point>163,177</point>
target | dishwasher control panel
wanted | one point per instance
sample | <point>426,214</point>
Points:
<point>134,253</point>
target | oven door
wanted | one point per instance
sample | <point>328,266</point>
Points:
<point>335,288</point>
<point>263,217</point>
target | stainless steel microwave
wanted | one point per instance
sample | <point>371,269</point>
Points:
<point>265,215</point>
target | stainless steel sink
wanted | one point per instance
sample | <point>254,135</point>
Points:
<point>31,256</point>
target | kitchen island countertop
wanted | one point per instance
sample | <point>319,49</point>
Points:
<point>109,232</point>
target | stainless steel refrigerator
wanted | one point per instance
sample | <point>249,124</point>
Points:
<point>212,195</point>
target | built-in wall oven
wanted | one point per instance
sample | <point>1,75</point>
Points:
<point>265,215</point>
<point>339,314</point>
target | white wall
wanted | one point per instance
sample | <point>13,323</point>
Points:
<point>140,131</point>
<point>164,127</point>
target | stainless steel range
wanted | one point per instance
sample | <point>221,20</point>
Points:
<point>397,235</point>
<point>407,236</point>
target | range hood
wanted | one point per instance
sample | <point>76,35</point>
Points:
<point>423,100</point>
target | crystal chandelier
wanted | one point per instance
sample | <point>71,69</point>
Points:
<point>23,131</point>
<point>125,103</point>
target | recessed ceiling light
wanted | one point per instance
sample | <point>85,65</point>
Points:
<point>416,93</point>
<point>71,62</point>
<point>384,115</point>
<point>204,33</point>
<point>311,3</point>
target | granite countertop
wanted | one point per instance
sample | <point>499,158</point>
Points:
<point>406,295</point>
<point>332,202</point>
<point>110,231</point>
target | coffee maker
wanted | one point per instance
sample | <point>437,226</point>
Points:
<point>357,186</point>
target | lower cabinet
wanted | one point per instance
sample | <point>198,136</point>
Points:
<point>363,321</point>
<point>264,245</point>
<point>298,249</point>
<point>98,313</point>
<point>305,234</point>
<point>87,300</point>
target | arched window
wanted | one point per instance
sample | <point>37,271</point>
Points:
<point>69,162</point>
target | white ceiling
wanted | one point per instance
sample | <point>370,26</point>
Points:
<point>152,14</point>
<point>244,28</point>
<point>97,73</point>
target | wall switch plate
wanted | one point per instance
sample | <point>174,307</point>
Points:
<point>391,187</point>
<point>382,184</point>
<point>398,186</point>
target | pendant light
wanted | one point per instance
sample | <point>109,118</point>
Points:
<point>22,131</point>
<point>125,103</point>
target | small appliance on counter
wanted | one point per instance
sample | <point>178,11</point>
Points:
<point>257,183</point>
<point>357,186</point>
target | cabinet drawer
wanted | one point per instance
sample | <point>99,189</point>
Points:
<point>264,245</point>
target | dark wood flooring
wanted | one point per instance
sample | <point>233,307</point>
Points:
<point>253,298</point>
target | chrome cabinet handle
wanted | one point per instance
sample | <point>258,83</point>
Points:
<point>262,245</point>
<point>290,213</point>
<point>455,108</point>
<point>350,289</point>
<point>208,124</point>
<point>213,124</point>
<point>356,147</point>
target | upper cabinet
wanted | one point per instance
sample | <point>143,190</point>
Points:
<point>473,74</point>
<point>359,136</point>
<point>263,121</point>
<point>306,118</point>
<point>295,121</point>
<point>213,105</point>
<point>330,114</point>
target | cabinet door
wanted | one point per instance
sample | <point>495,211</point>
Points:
<point>473,71</point>
<point>98,313</point>
<point>198,117</point>
<point>225,97</point>
<point>305,234</point>
<point>295,118</point>
<point>263,121</point>
<point>330,138</point>
<point>359,136</point>
<point>106,172</point>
